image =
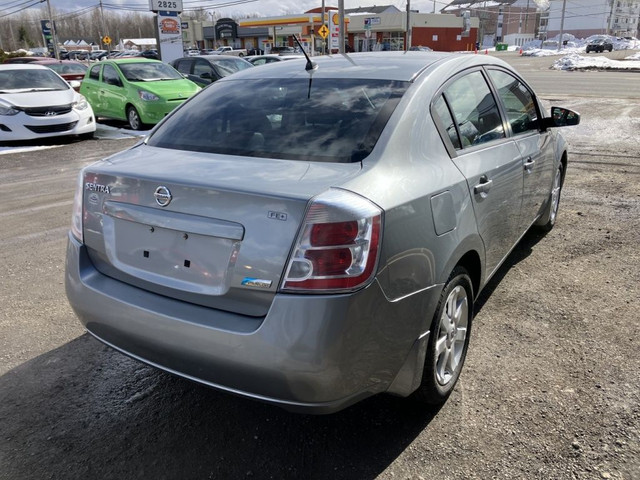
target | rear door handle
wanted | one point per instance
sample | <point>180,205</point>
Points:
<point>484,186</point>
<point>528,164</point>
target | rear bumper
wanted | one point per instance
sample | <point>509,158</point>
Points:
<point>310,353</point>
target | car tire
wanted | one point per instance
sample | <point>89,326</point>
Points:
<point>448,341</point>
<point>133,118</point>
<point>547,221</point>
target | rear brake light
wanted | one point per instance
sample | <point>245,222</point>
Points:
<point>338,246</point>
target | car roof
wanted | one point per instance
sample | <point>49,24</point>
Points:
<point>50,61</point>
<point>22,66</point>
<point>398,66</point>
<point>131,60</point>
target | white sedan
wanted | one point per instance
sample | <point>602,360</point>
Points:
<point>35,102</point>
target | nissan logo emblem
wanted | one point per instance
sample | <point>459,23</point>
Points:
<point>163,196</point>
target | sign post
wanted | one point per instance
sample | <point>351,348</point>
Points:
<point>168,28</point>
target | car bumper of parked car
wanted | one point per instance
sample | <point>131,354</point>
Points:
<point>310,353</point>
<point>26,127</point>
<point>154,111</point>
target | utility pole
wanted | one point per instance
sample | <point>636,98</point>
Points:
<point>564,5</point>
<point>407,40</point>
<point>341,29</point>
<point>54,36</point>
<point>104,29</point>
<point>324,40</point>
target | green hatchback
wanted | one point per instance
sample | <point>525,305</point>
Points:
<point>138,90</point>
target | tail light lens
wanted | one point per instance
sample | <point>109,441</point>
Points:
<point>76,215</point>
<point>338,245</point>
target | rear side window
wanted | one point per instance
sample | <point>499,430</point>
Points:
<point>518,102</point>
<point>331,120</point>
<point>442,111</point>
<point>475,110</point>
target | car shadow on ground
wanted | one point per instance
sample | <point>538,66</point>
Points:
<point>522,250</point>
<point>85,411</point>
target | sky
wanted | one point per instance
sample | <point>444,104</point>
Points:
<point>261,8</point>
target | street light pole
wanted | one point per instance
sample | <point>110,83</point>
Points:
<point>54,37</point>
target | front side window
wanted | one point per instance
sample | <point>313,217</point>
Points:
<point>518,102</point>
<point>331,120</point>
<point>475,110</point>
<point>110,75</point>
<point>94,74</point>
<point>183,66</point>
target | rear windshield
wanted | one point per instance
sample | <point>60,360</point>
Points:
<point>331,120</point>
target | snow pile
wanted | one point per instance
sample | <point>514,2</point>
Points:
<point>635,56</point>
<point>573,61</point>
<point>537,48</point>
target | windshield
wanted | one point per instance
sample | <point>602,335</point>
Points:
<point>331,120</point>
<point>30,80</point>
<point>148,72</point>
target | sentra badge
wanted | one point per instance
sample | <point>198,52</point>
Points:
<point>96,187</point>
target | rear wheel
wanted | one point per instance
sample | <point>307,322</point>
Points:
<point>548,220</point>
<point>449,339</point>
<point>133,117</point>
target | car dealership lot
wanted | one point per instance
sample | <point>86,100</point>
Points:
<point>550,389</point>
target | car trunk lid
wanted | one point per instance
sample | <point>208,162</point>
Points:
<point>208,229</point>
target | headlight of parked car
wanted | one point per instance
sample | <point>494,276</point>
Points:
<point>147,96</point>
<point>81,103</point>
<point>8,110</point>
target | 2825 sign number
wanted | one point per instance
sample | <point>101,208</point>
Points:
<point>169,5</point>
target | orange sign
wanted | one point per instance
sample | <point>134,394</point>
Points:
<point>169,25</point>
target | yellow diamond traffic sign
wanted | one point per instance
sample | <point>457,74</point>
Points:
<point>106,39</point>
<point>323,31</point>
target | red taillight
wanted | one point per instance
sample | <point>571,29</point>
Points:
<point>339,233</point>
<point>338,246</point>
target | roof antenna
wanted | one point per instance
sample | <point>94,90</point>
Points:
<point>310,65</point>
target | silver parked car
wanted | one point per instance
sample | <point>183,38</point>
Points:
<point>313,236</point>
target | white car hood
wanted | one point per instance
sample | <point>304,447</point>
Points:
<point>48,98</point>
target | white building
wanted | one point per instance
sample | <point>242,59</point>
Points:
<point>582,19</point>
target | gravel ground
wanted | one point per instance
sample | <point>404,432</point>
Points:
<point>550,389</point>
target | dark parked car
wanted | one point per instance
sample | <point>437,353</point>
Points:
<point>257,60</point>
<point>70,70</point>
<point>599,45</point>
<point>152,54</point>
<point>206,69</point>
<point>22,59</point>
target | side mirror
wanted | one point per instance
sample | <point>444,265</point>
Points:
<point>561,117</point>
<point>75,84</point>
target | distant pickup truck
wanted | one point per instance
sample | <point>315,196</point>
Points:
<point>240,52</point>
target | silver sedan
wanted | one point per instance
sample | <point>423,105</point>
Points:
<point>311,234</point>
